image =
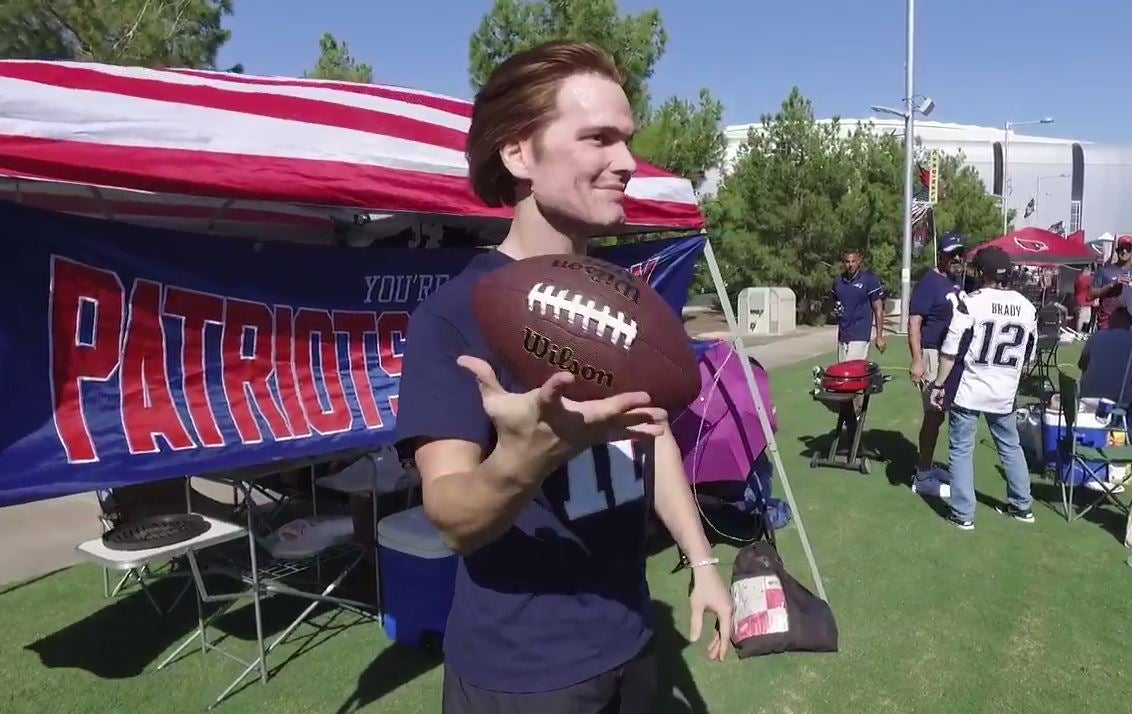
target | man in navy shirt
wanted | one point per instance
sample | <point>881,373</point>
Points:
<point>545,499</point>
<point>1106,361</point>
<point>929,313</point>
<point>858,298</point>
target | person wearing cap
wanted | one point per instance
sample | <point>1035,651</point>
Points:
<point>858,298</point>
<point>1109,282</point>
<point>991,336</point>
<point>929,313</point>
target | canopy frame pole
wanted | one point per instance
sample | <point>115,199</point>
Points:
<point>107,212</point>
<point>219,212</point>
<point>760,409</point>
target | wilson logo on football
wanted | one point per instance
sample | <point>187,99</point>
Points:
<point>561,357</point>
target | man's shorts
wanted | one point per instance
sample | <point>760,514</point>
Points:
<point>930,359</point>
<point>852,350</point>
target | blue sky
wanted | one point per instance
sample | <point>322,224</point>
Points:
<point>983,61</point>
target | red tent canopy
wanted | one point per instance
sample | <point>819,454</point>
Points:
<point>1034,246</point>
<point>233,154</point>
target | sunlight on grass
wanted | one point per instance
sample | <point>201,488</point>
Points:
<point>1009,617</point>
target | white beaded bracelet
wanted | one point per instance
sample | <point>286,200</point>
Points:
<point>702,563</point>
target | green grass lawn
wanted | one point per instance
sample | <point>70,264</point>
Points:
<point>1009,617</point>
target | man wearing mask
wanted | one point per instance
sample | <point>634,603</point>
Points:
<point>858,298</point>
<point>930,308</point>
<point>1110,280</point>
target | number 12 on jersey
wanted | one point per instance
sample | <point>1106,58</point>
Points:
<point>1000,343</point>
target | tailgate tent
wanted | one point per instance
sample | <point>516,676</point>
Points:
<point>230,154</point>
<point>302,160</point>
<point>1034,246</point>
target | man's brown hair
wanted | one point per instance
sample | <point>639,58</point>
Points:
<point>518,100</point>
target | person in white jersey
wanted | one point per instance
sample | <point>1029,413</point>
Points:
<point>991,335</point>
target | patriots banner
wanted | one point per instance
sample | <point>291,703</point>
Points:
<point>132,354</point>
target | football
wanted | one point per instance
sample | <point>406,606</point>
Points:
<point>609,328</point>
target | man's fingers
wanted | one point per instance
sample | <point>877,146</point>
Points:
<point>724,634</point>
<point>482,371</point>
<point>551,390</point>
<point>697,623</point>
<point>619,404</point>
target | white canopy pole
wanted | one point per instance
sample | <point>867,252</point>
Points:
<point>760,409</point>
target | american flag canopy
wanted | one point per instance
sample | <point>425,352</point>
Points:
<point>234,154</point>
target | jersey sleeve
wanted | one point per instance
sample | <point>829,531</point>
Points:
<point>875,288</point>
<point>438,398</point>
<point>961,321</point>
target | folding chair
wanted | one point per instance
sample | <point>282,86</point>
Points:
<point>1071,454</point>
<point>262,580</point>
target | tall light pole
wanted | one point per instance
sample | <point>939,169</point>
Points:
<point>910,108</point>
<point>1006,127</point>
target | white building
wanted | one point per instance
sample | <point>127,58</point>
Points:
<point>1088,186</point>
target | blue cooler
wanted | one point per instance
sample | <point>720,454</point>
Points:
<point>1089,431</point>
<point>418,577</point>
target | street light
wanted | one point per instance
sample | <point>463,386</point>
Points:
<point>925,107</point>
<point>1006,127</point>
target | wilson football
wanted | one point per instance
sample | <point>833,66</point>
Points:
<point>609,328</point>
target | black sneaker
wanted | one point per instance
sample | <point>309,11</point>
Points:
<point>1026,516</point>
<point>960,523</point>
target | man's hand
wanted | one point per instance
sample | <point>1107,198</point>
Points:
<point>937,398</point>
<point>881,343</point>
<point>543,427</point>
<point>709,593</point>
<point>916,372</point>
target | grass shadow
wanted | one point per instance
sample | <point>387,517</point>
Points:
<point>394,667</point>
<point>1103,514</point>
<point>677,692</point>
<point>122,639</point>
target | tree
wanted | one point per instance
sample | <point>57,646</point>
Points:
<point>150,33</point>
<point>636,42</point>
<point>682,138</point>
<point>802,191</point>
<point>778,215</point>
<point>336,62</point>
<point>678,136</point>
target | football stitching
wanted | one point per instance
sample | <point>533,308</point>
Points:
<point>544,296</point>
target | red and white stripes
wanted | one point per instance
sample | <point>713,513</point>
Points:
<point>185,136</point>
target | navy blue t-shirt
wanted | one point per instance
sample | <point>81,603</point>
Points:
<point>561,597</point>
<point>1104,364</point>
<point>854,297</point>
<point>934,299</point>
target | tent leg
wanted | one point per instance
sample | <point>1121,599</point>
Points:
<point>106,212</point>
<point>218,213</point>
<point>760,409</point>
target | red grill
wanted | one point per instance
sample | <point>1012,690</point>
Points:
<point>845,389</point>
<point>855,376</point>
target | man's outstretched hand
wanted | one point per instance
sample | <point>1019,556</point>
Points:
<point>543,425</point>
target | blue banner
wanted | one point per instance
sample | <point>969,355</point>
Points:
<point>131,354</point>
